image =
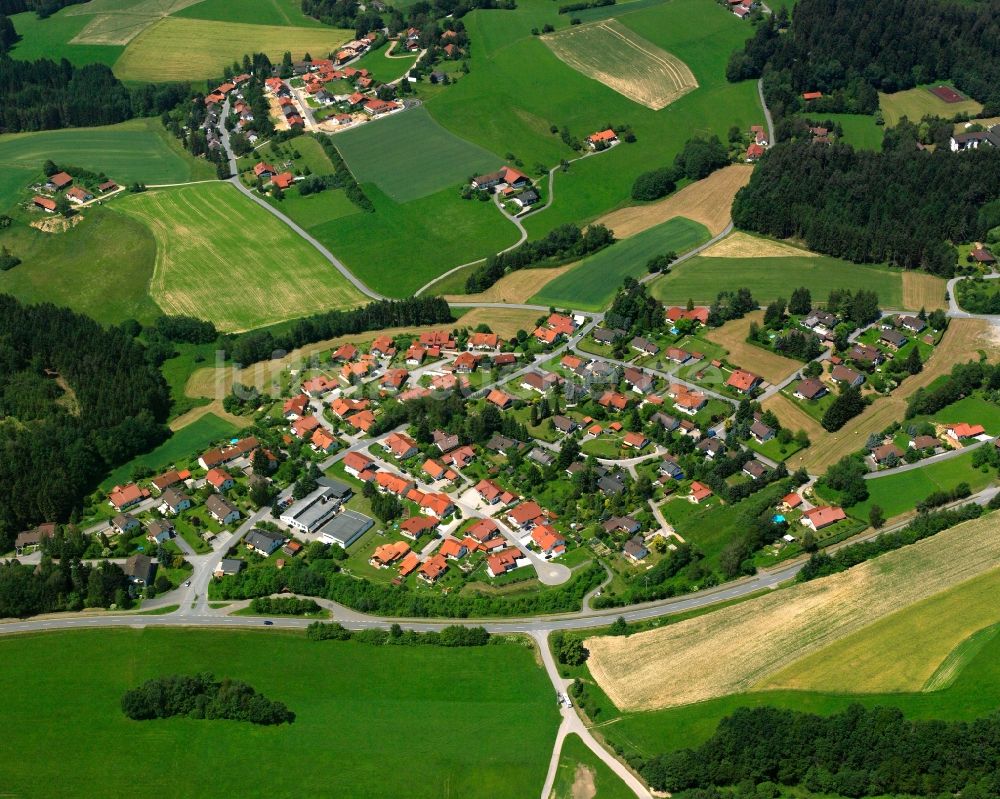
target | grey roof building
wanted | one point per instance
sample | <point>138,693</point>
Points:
<point>345,528</point>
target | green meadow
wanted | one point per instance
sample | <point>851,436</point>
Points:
<point>592,283</point>
<point>50,38</point>
<point>190,441</point>
<point>702,278</point>
<point>421,722</point>
<point>900,492</point>
<point>100,267</point>
<point>137,150</point>
<point>408,155</point>
<point>251,12</point>
<point>578,765</point>
<point>401,247</point>
<point>515,71</point>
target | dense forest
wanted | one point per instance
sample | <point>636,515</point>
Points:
<point>45,94</point>
<point>78,399</point>
<point>260,345</point>
<point>901,207</point>
<point>420,15</point>
<point>850,49</point>
<point>860,752</point>
<point>202,697</point>
<point>66,584</point>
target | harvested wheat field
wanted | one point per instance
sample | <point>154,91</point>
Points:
<point>793,417</point>
<point>902,652</point>
<point>214,407</point>
<point>733,336</point>
<point>707,201</point>
<point>743,245</point>
<point>733,649</point>
<point>921,290</point>
<point>514,287</point>
<point>216,383</point>
<point>963,341</point>
<point>623,61</point>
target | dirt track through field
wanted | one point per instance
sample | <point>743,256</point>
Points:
<point>707,201</point>
<point>730,650</point>
<point>616,56</point>
<point>733,336</point>
<point>961,342</point>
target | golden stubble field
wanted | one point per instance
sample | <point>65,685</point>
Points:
<point>732,650</point>
<point>622,60</point>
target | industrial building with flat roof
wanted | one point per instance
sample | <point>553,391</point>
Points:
<point>309,513</point>
<point>345,528</point>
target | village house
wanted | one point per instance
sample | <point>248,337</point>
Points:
<point>323,441</point>
<point>173,502</point>
<point>295,407</point>
<point>863,353</point>
<point>886,454</point>
<point>263,542</point>
<point>122,497</point>
<point>754,469</point>
<point>818,518</point>
<point>220,510</point>
<point>159,531</point>
<point>362,420</point>
<point>846,376</point>
<point>124,523</point>
<point>140,569</point>
<point>387,554</point>
<point>550,543</point>
<point>761,432</point>
<point>400,445</point>
<point>304,426</point>
<point>217,457</point>
<point>810,389</point>
<point>433,569</point>
<point>500,398</point>
<point>742,381</point>
<point>602,139</point>
<point>635,550</point>
<point>502,562</point>
<point>698,493</point>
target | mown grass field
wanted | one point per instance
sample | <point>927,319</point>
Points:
<point>401,247</point>
<point>370,721</point>
<point>137,150</point>
<point>620,59</point>
<point>702,278</point>
<point>516,72</point>
<point>251,12</point>
<point>221,257</point>
<point>592,284</point>
<point>916,103</point>
<point>583,775</point>
<point>732,650</point>
<point>733,337</point>
<point>42,38</point>
<point>181,446</point>
<point>194,49</point>
<point>904,651</point>
<point>409,156</point>
<point>100,267</point>
<point>974,693</point>
<point>386,68</point>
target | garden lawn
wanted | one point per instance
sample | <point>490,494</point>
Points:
<point>702,278</point>
<point>401,247</point>
<point>412,705</point>
<point>900,492</point>
<point>184,445</point>
<point>592,284</point>
<point>507,103</point>
<point>408,156</point>
<point>100,267</point>
<point>137,150</point>
<point>384,68</point>
<point>177,49</point>
<point>222,257</point>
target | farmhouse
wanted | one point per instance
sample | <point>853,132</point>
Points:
<point>502,178</point>
<point>47,204</point>
<point>602,139</point>
<point>378,107</point>
<point>60,180</point>
<point>78,195</point>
